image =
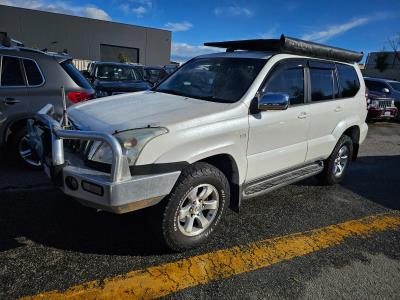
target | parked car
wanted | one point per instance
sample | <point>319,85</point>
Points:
<point>138,67</point>
<point>170,68</point>
<point>154,74</point>
<point>384,88</point>
<point>29,79</point>
<point>380,107</point>
<point>222,128</point>
<point>110,78</point>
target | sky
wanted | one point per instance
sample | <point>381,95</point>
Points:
<point>357,25</point>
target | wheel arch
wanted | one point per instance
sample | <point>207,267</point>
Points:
<point>14,125</point>
<point>227,165</point>
<point>354,133</point>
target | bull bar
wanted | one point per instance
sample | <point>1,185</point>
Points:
<point>122,191</point>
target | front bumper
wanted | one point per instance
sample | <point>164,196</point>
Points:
<point>97,191</point>
<point>380,113</point>
<point>117,191</point>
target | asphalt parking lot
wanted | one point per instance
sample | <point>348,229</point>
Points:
<point>303,241</point>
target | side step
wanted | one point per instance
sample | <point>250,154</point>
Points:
<point>272,182</point>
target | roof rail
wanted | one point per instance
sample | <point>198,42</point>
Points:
<point>291,46</point>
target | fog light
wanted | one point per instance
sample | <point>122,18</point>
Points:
<point>92,188</point>
<point>71,183</point>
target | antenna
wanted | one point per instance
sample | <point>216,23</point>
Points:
<point>64,120</point>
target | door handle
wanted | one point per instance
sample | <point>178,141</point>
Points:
<point>302,115</point>
<point>338,108</point>
<point>10,101</point>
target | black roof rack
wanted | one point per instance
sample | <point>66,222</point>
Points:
<point>291,46</point>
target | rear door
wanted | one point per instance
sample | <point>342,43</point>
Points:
<point>278,139</point>
<point>325,107</point>
<point>13,93</point>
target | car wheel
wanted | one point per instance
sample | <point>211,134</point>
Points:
<point>336,165</point>
<point>20,149</point>
<point>195,206</point>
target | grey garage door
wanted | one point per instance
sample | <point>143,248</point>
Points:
<point>118,53</point>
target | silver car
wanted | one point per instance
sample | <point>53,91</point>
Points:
<point>29,79</point>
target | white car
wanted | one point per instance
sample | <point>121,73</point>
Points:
<point>222,128</point>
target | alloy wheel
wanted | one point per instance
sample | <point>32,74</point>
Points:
<point>26,153</point>
<point>341,160</point>
<point>198,210</point>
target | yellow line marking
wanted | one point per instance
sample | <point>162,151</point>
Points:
<point>158,281</point>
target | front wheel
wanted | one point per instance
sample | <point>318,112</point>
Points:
<point>337,163</point>
<point>195,206</point>
<point>21,150</point>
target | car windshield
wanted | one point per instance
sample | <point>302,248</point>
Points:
<point>213,79</point>
<point>395,85</point>
<point>117,72</point>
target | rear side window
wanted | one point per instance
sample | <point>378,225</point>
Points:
<point>76,76</point>
<point>33,74</point>
<point>323,84</point>
<point>11,72</point>
<point>288,81</point>
<point>348,79</point>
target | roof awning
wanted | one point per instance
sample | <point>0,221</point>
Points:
<point>291,46</point>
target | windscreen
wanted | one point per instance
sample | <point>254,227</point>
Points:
<point>395,85</point>
<point>213,79</point>
<point>117,73</point>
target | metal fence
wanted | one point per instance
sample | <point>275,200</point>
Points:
<point>81,64</point>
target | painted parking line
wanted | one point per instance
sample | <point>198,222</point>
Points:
<point>171,277</point>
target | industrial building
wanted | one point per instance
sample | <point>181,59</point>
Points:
<point>86,39</point>
<point>383,64</point>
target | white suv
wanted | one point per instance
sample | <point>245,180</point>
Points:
<point>222,128</point>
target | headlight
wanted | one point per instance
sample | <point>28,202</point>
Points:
<point>132,143</point>
<point>374,103</point>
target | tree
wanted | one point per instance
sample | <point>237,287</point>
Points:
<point>394,44</point>
<point>123,58</point>
<point>380,61</point>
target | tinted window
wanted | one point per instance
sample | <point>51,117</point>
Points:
<point>375,85</point>
<point>219,79</point>
<point>76,76</point>
<point>287,81</point>
<point>323,85</point>
<point>32,73</point>
<point>348,78</point>
<point>111,72</point>
<point>11,73</point>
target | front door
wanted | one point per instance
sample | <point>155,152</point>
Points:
<point>278,139</point>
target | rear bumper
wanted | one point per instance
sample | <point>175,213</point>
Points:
<point>117,191</point>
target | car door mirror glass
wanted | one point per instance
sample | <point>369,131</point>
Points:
<point>273,101</point>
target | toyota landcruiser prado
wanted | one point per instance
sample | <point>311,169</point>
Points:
<point>222,128</point>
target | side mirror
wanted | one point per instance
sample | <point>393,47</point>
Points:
<point>386,90</point>
<point>273,101</point>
